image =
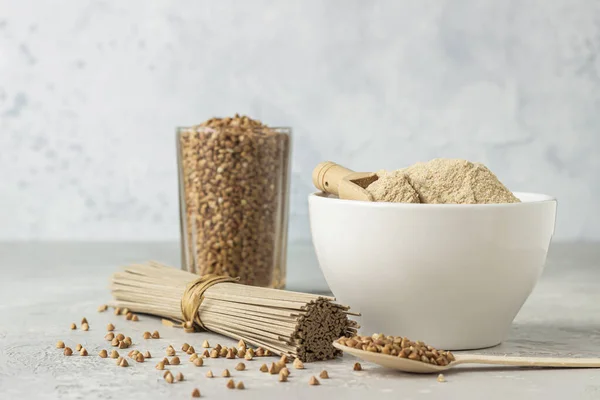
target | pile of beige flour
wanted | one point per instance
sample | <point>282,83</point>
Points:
<point>441,181</point>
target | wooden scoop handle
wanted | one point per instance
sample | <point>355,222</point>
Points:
<point>328,175</point>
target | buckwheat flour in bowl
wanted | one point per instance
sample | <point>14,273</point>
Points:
<point>393,187</point>
<point>441,181</point>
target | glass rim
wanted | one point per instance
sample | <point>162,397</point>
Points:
<point>197,128</point>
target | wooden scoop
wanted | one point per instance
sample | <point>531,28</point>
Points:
<point>406,365</point>
<point>332,178</point>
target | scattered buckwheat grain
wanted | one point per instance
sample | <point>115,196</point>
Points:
<point>170,351</point>
<point>282,377</point>
<point>273,369</point>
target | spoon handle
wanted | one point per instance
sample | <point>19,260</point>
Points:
<point>556,362</point>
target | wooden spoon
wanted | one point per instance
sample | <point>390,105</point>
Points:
<point>332,178</point>
<point>406,365</point>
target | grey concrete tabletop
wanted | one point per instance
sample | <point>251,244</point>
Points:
<point>44,287</point>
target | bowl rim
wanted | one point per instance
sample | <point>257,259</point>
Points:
<point>532,198</point>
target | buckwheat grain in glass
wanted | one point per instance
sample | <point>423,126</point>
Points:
<point>233,181</point>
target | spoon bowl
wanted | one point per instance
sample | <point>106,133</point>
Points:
<point>393,362</point>
<point>406,365</point>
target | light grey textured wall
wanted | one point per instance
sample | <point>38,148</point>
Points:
<point>90,93</point>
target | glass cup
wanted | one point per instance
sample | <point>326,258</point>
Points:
<point>234,197</point>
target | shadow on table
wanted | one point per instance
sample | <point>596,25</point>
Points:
<point>558,338</point>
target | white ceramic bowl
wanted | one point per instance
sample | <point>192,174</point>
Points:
<point>452,275</point>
